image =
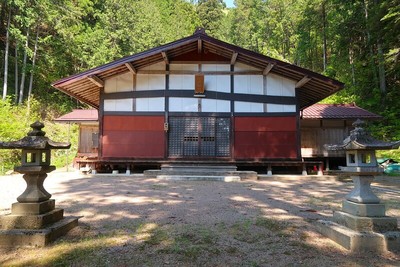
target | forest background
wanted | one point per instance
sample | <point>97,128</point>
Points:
<point>41,41</point>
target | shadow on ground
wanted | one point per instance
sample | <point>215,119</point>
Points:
<point>134,221</point>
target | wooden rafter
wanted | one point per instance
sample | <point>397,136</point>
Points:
<point>165,57</point>
<point>199,46</point>
<point>303,81</point>
<point>233,58</point>
<point>96,80</point>
<point>268,68</point>
<point>131,67</point>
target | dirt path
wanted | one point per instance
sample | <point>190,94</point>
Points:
<point>134,221</point>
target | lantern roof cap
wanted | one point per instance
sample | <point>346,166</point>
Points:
<point>35,139</point>
<point>360,139</point>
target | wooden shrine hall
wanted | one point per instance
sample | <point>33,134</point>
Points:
<point>198,100</point>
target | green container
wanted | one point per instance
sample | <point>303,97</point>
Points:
<point>393,168</point>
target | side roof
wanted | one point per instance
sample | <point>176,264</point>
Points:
<point>79,116</point>
<point>337,111</point>
<point>311,86</point>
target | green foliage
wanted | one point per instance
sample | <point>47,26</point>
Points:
<point>14,125</point>
<point>211,13</point>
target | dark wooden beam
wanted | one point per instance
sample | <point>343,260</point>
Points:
<point>268,68</point>
<point>165,57</point>
<point>189,72</point>
<point>233,58</point>
<point>199,46</point>
<point>302,82</point>
<point>131,68</point>
<point>96,80</point>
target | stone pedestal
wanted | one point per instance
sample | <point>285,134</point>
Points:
<point>361,225</point>
<point>34,219</point>
<point>34,224</point>
<point>362,192</point>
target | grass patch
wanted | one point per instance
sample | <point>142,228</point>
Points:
<point>318,201</point>
<point>158,186</point>
<point>86,252</point>
<point>243,231</point>
<point>192,242</point>
<point>271,224</point>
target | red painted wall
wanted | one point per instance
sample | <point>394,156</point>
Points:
<point>265,138</point>
<point>133,137</point>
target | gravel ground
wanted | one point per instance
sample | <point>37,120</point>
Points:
<point>137,221</point>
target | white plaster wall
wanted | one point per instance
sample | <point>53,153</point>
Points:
<point>120,83</point>
<point>248,84</point>
<point>217,83</point>
<point>215,105</point>
<point>271,108</point>
<point>118,104</point>
<point>182,82</point>
<point>280,86</point>
<point>150,104</point>
<point>145,82</point>
<point>248,107</point>
<point>183,104</point>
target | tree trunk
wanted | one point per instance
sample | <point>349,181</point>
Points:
<point>23,74</point>
<point>351,61</point>
<point>324,48</point>
<point>369,44</point>
<point>16,71</point>
<point>6,56</point>
<point>33,65</point>
<point>381,67</point>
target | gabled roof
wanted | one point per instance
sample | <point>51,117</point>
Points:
<point>79,116</point>
<point>311,87</point>
<point>337,111</point>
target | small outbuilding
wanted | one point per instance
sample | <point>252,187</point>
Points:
<point>322,124</point>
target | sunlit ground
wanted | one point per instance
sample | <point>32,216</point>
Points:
<point>134,221</point>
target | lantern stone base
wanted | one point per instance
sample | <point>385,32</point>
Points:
<point>356,241</point>
<point>364,210</point>
<point>33,208</point>
<point>37,237</point>
<point>34,224</point>
<point>365,224</point>
<point>361,227</point>
<point>39,221</point>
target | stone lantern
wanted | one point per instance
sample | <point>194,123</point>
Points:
<point>362,224</point>
<point>34,220</point>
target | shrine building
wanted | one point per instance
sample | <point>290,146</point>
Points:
<point>198,99</point>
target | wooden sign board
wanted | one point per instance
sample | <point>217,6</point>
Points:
<point>199,83</point>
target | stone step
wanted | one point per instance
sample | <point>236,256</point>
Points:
<point>242,174</point>
<point>198,167</point>
<point>199,178</point>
